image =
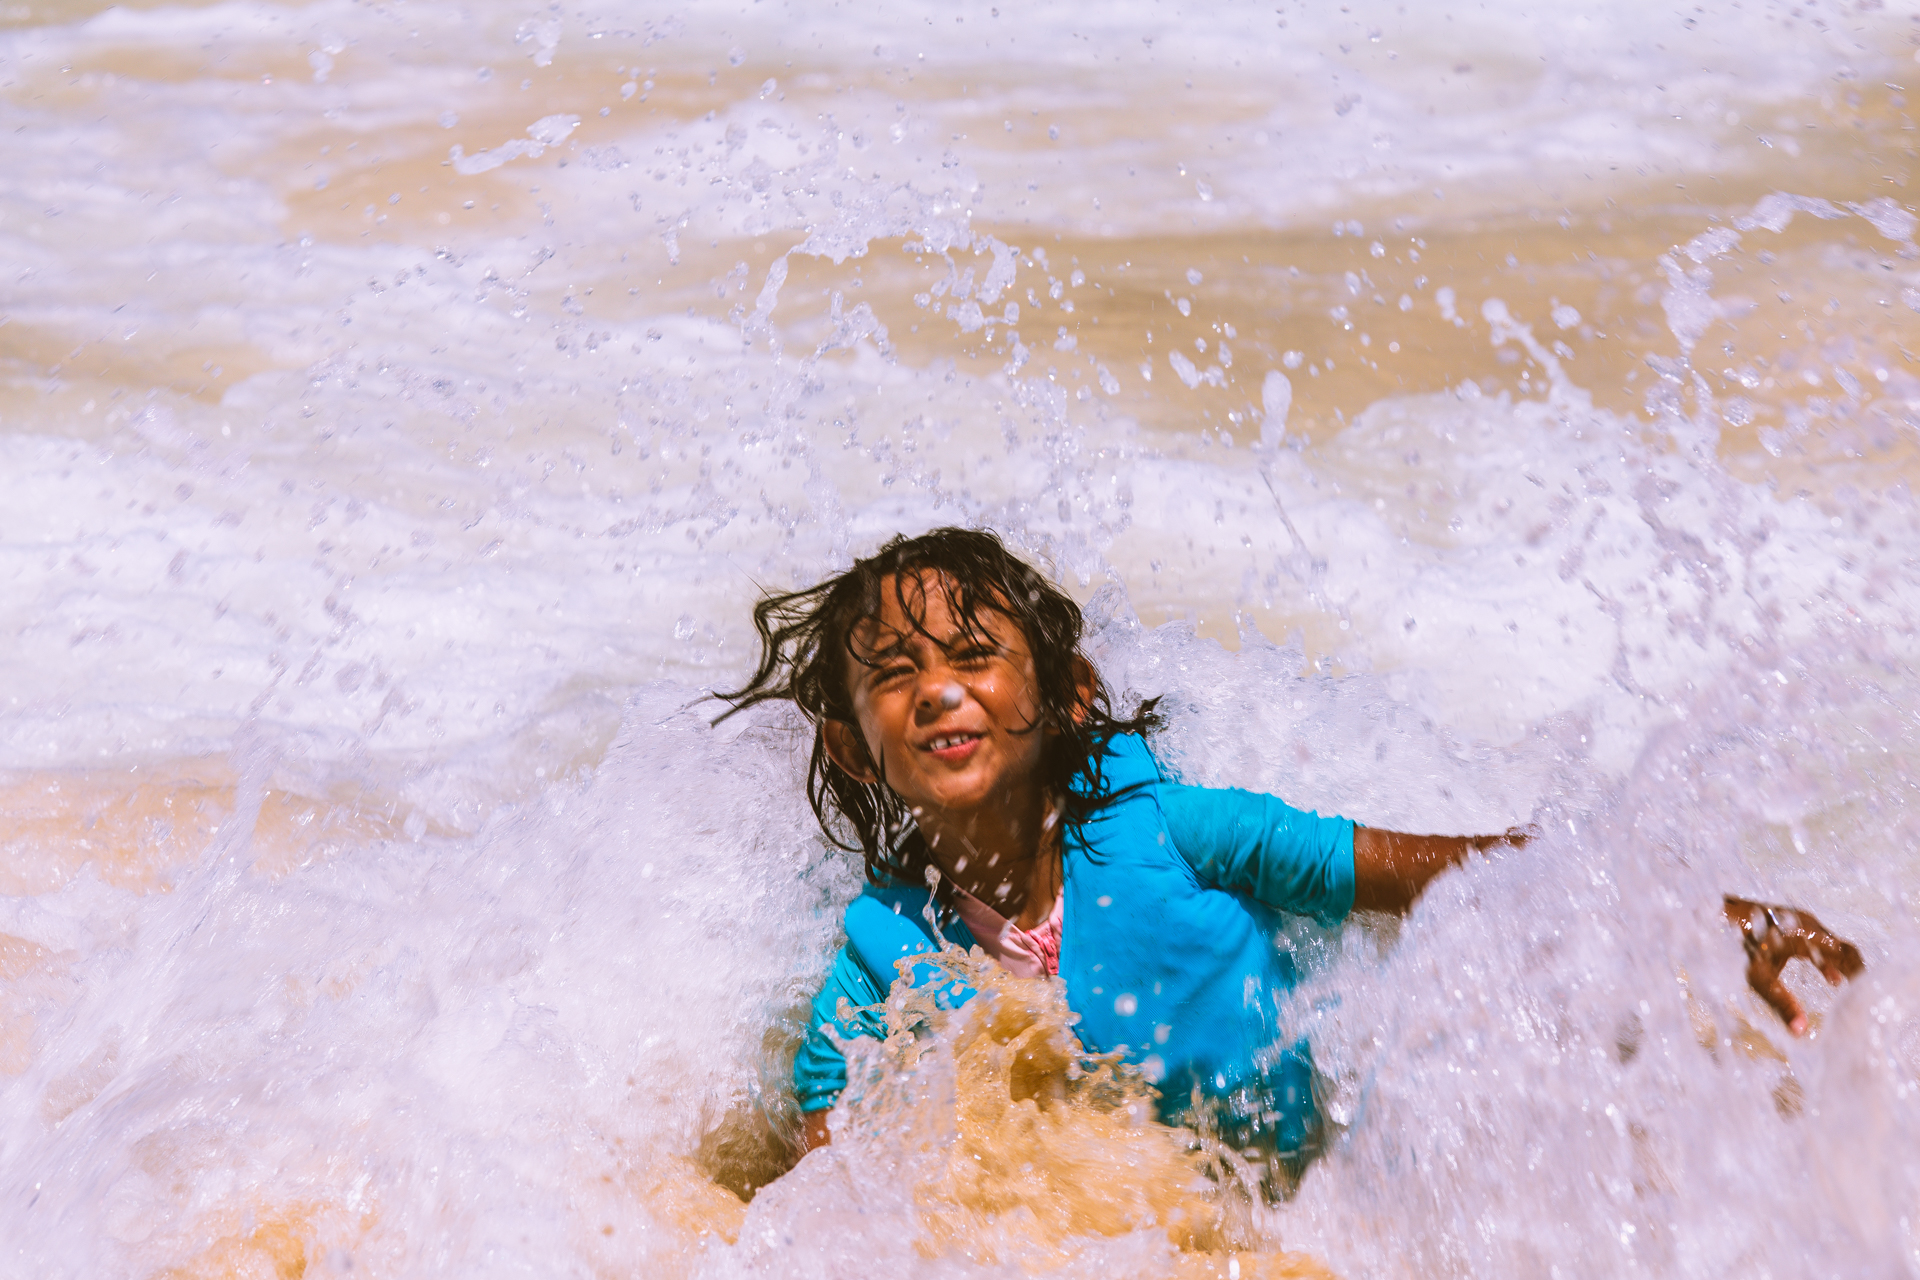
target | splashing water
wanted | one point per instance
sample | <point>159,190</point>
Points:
<point>1457,420</point>
<point>989,1135</point>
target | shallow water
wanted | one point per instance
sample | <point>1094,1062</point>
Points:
<point>1459,419</point>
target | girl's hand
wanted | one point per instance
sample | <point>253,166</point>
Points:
<point>1775,935</point>
<point>813,1131</point>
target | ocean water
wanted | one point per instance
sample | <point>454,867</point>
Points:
<point>1460,416</point>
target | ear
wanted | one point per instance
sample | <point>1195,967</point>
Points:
<point>847,751</point>
<point>1084,683</point>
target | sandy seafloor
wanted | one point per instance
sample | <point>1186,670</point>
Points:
<point>1459,415</point>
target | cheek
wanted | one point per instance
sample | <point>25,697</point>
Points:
<point>1023,689</point>
<point>883,736</point>
<point>1014,698</point>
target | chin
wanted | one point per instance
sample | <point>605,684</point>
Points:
<point>960,799</point>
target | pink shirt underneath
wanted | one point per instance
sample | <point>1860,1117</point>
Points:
<point>1024,953</point>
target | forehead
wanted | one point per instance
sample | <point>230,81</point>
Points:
<point>927,604</point>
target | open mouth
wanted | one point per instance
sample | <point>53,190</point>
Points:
<point>948,742</point>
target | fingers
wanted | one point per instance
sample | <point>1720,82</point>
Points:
<point>1763,975</point>
<point>1739,912</point>
<point>1799,933</point>
<point>1836,958</point>
<point>1775,935</point>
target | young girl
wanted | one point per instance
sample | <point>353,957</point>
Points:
<point>969,750</point>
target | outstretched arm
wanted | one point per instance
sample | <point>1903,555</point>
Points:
<point>1390,868</point>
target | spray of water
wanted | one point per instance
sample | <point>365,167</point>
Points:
<point>988,1136</point>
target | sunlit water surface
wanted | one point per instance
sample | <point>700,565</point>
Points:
<point>1459,418</point>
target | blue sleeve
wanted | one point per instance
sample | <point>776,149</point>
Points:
<point>820,1069</point>
<point>1265,848</point>
<point>883,928</point>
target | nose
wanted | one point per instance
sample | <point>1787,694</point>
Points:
<point>940,692</point>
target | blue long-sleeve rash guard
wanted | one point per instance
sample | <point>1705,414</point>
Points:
<point>1172,895</point>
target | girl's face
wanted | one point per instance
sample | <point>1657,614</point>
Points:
<point>949,720</point>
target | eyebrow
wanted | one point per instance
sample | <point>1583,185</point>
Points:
<point>875,659</point>
<point>880,663</point>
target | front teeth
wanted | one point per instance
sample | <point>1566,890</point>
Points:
<point>941,744</point>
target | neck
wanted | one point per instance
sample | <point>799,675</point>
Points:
<point>1005,854</point>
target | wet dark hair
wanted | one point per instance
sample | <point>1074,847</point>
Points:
<point>806,640</point>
